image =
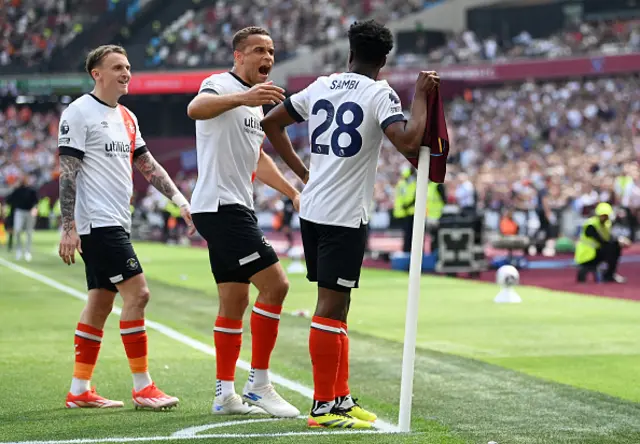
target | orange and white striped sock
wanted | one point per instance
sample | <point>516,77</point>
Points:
<point>134,338</point>
<point>265,319</point>
<point>342,380</point>
<point>227,338</point>
<point>325,348</point>
<point>87,344</point>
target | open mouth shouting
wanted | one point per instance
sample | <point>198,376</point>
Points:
<point>264,71</point>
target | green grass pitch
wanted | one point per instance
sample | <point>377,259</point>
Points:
<point>558,368</point>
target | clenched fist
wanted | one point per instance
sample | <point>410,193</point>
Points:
<point>427,81</point>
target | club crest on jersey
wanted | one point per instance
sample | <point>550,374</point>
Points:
<point>130,127</point>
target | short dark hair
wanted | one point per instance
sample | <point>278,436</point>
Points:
<point>242,35</point>
<point>370,41</point>
<point>96,56</point>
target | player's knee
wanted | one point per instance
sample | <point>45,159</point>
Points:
<point>282,288</point>
<point>99,311</point>
<point>104,309</point>
<point>332,304</point>
<point>141,297</point>
<point>233,305</point>
<point>277,292</point>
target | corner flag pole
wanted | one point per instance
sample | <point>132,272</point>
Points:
<point>415,270</point>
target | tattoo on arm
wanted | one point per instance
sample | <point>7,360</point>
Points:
<point>69,168</point>
<point>155,174</point>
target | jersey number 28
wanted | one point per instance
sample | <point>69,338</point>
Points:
<point>350,128</point>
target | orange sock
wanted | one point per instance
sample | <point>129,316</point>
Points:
<point>227,337</point>
<point>134,338</point>
<point>324,348</point>
<point>264,332</point>
<point>87,344</point>
<point>342,381</point>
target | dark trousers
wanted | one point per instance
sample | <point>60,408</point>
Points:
<point>632,222</point>
<point>609,254</point>
<point>407,230</point>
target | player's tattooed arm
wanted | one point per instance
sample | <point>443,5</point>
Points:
<point>155,174</point>
<point>69,168</point>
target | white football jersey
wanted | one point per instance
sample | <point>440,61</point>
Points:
<point>228,148</point>
<point>347,116</point>
<point>95,132</point>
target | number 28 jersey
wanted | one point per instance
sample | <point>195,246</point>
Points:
<point>347,115</point>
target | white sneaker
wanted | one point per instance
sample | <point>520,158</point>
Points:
<point>233,405</point>
<point>28,257</point>
<point>18,255</point>
<point>269,400</point>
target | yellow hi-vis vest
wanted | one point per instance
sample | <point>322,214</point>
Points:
<point>405,196</point>
<point>435,204</point>
<point>172,209</point>
<point>44,207</point>
<point>586,248</point>
<point>623,181</point>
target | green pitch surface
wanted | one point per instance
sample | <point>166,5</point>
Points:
<point>558,368</point>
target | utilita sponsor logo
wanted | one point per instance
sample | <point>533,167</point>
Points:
<point>253,123</point>
<point>117,149</point>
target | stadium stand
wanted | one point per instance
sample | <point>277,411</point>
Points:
<point>201,37</point>
<point>598,37</point>
<point>30,30</point>
<point>28,142</point>
<point>569,138</point>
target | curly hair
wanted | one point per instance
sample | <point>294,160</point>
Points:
<point>370,41</point>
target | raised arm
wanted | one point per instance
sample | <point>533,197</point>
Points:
<point>210,103</point>
<point>407,136</point>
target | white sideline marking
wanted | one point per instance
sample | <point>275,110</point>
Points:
<point>211,436</point>
<point>183,339</point>
<point>190,433</point>
<point>193,431</point>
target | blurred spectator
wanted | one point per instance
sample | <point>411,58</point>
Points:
<point>611,37</point>
<point>203,38</point>
<point>563,142</point>
<point>28,142</point>
<point>532,148</point>
<point>30,30</point>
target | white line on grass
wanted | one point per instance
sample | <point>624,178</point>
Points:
<point>183,339</point>
<point>208,436</point>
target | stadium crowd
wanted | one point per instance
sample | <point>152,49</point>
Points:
<point>30,30</point>
<point>28,143</point>
<point>570,138</point>
<point>603,37</point>
<point>297,26</point>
